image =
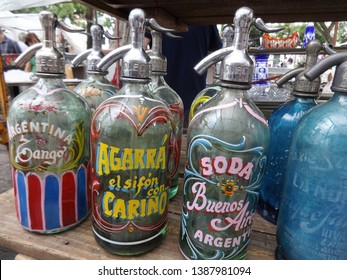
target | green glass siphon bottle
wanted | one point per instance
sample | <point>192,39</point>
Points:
<point>164,92</point>
<point>49,128</point>
<point>131,146</point>
<point>228,141</point>
<point>210,91</point>
<point>96,88</point>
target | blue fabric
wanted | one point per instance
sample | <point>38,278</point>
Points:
<point>183,54</point>
<point>9,46</point>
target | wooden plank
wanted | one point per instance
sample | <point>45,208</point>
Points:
<point>23,257</point>
<point>76,243</point>
<point>79,243</point>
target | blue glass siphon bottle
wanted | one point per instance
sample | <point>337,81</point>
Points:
<point>282,123</point>
<point>228,142</point>
<point>312,221</point>
<point>131,147</point>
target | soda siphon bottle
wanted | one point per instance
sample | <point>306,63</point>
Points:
<point>163,91</point>
<point>49,127</point>
<point>312,221</point>
<point>208,92</point>
<point>96,88</point>
<point>282,123</point>
<point>228,142</point>
<point>260,86</point>
<point>131,140</point>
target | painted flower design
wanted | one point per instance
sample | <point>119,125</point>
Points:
<point>229,188</point>
<point>39,106</point>
<point>91,91</point>
<point>141,112</point>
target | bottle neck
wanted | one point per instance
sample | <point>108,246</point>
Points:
<point>303,99</point>
<point>158,78</point>
<point>240,41</point>
<point>340,97</point>
<point>233,93</point>
<point>305,94</point>
<point>235,85</point>
<point>135,89</point>
<point>47,84</point>
<point>98,76</point>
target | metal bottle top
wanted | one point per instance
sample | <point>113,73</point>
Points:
<point>93,55</point>
<point>340,77</point>
<point>136,62</point>
<point>302,86</point>
<point>158,60</point>
<point>237,66</point>
<point>49,61</point>
<point>227,39</point>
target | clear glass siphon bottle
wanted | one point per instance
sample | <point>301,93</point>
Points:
<point>49,127</point>
<point>163,91</point>
<point>228,142</point>
<point>282,123</point>
<point>312,221</point>
<point>131,140</point>
<point>208,92</point>
<point>96,88</point>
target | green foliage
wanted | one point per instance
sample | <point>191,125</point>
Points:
<point>342,33</point>
<point>76,12</point>
<point>109,23</point>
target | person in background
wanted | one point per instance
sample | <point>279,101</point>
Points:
<point>9,49</point>
<point>183,54</point>
<point>21,42</point>
<point>31,39</point>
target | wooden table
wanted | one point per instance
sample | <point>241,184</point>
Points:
<point>79,243</point>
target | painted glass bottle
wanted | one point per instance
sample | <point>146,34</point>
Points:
<point>131,140</point>
<point>312,221</point>
<point>228,141</point>
<point>282,123</point>
<point>49,128</point>
<point>260,85</point>
<point>207,93</point>
<point>163,91</point>
<point>96,88</point>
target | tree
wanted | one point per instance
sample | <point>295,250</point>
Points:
<point>326,30</point>
<point>342,32</point>
<point>75,12</point>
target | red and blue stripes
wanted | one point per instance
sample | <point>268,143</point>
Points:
<point>51,203</point>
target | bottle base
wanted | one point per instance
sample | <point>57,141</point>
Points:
<point>278,255</point>
<point>58,230</point>
<point>129,248</point>
<point>267,212</point>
